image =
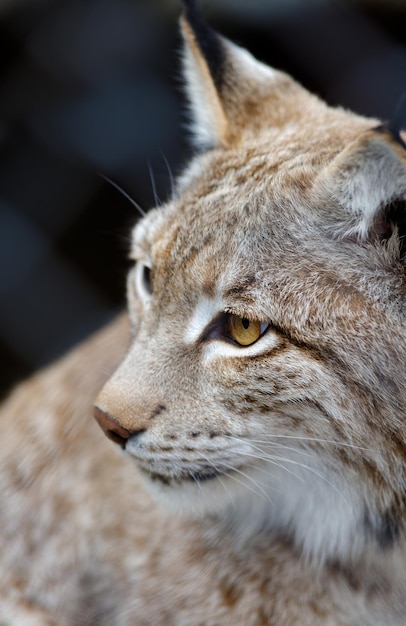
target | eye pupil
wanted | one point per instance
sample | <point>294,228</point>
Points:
<point>244,331</point>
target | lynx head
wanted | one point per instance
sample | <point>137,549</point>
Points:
<point>265,381</point>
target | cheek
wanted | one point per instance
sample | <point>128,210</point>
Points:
<point>227,373</point>
<point>257,384</point>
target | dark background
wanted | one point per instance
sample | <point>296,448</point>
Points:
<point>93,87</point>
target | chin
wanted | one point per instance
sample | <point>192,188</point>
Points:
<point>199,496</point>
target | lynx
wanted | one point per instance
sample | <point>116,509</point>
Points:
<point>257,473</point>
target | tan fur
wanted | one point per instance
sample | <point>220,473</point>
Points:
<point>277,471</point>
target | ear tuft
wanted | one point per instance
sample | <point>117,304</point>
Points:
<point>208,41</point>
<point>225,82</point>
<point>398,121</point>
<point>203,62</point>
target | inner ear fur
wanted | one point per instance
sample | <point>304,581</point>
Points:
<point>364,189</point>
<point>396,216</point>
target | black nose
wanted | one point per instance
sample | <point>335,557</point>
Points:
<point>111,427</point>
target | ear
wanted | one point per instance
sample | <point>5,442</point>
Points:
<point>221,80</point>
<point>367,181</point>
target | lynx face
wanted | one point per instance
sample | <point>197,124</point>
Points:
<point>265,382</point>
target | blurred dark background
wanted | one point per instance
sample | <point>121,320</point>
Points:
<point>91,88</point>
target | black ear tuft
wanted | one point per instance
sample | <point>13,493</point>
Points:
<point>191,6</point>
<point>397,121</point>
<point>221,82</point>
<point>207,39</point>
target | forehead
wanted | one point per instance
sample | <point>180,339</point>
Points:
<point>269,171</point>
<point>225,230</point>
<point>241,212</point>
<point>228,199</point>
<point>258,190</point>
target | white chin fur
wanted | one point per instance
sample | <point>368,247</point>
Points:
<point>323,516</point>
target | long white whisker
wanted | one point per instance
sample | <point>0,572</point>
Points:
<point>244,484</point>
<point>171,179</point>
<point>278,445</point>
<point>153,185</point>
<point>214,466</point>
<point>274,461</point>
<point>262,492</point>
<point>316,473</point>
<point>266,457</point>
<point>282,447</point>
<point>304,439</point>
<point>197,481</point>
<point>125,194</point>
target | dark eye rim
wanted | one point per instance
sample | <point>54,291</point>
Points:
<point>147,279</point>
<point>219,329</point>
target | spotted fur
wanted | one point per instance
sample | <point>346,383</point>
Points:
<point>277,470</point>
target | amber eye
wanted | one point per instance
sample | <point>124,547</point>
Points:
<point>245,331</point>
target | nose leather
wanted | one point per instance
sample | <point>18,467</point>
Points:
<point>111,427</point>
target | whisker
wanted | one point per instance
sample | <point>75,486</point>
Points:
<point>268,459</point>
<point>304,439</point>
<point>153,184</point>
<point>216,469</point>
<point>261,493</point>
<point>244,484</point>
<point>316,473</point>
<point>197,481</point>
<point>280,446</point>
<point>273,460</point>
<point>124,193</point>
<point>171,179</point>
<point>264,470</point>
